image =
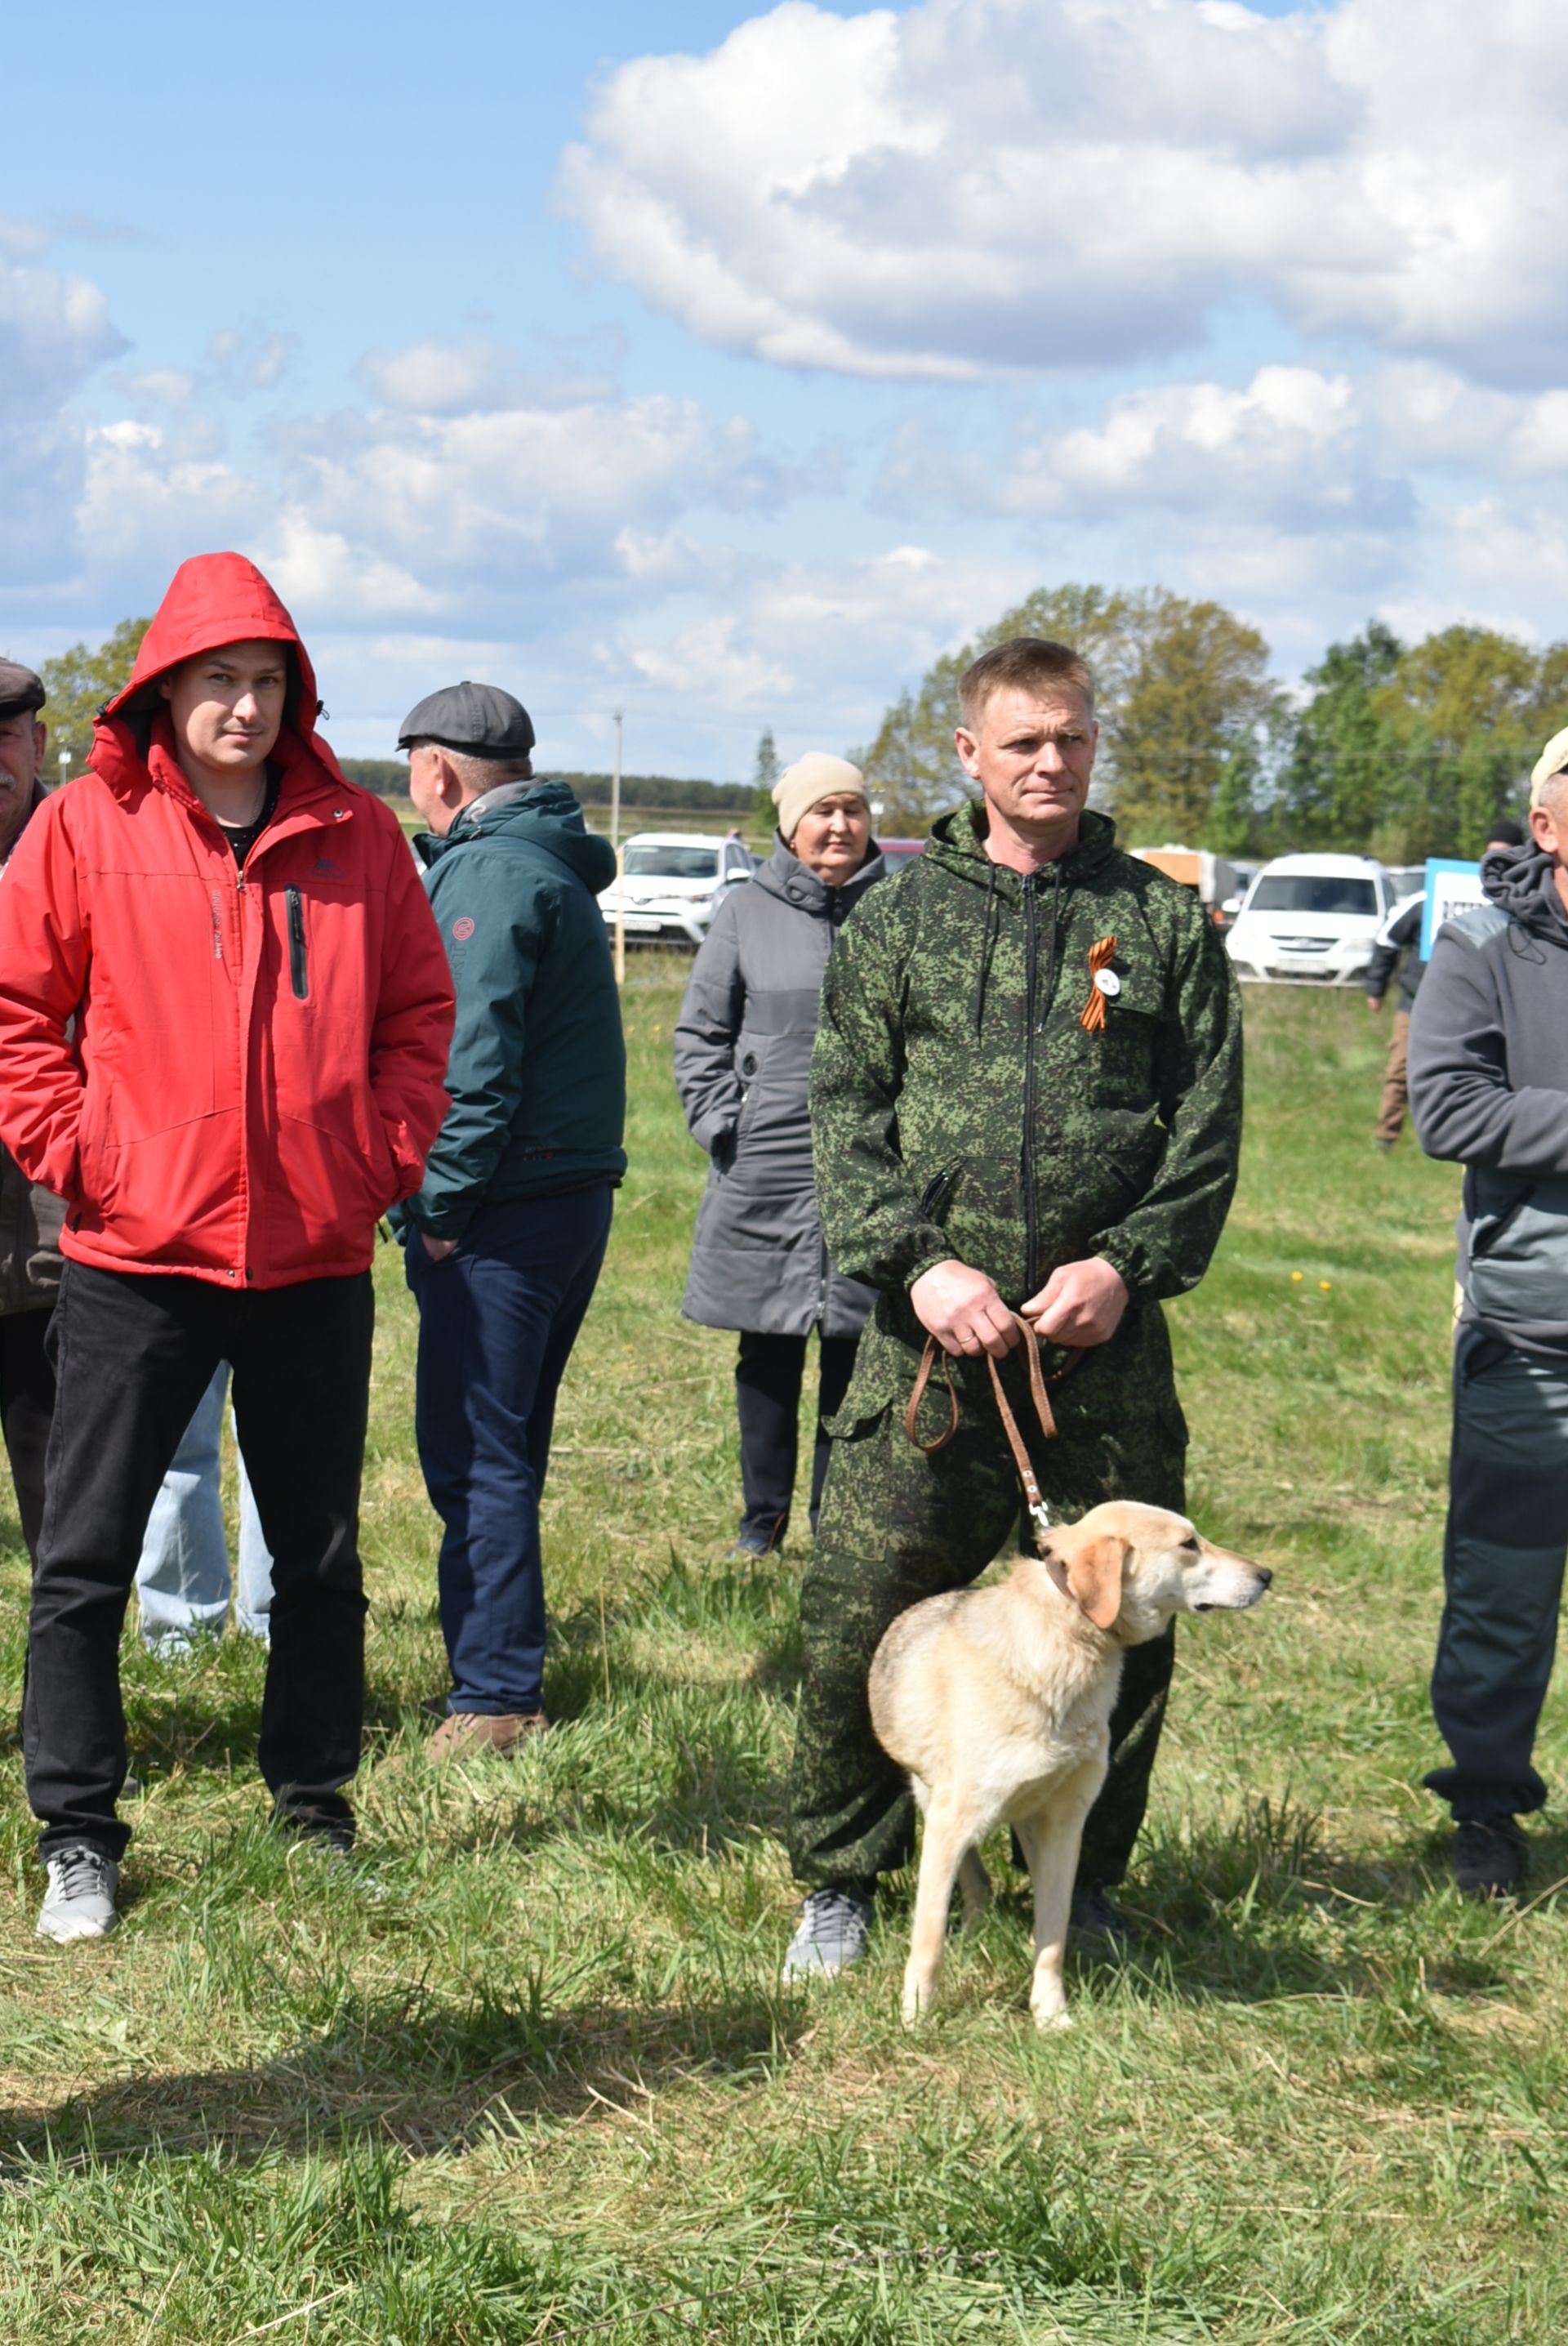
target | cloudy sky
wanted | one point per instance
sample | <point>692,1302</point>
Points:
<point>726,366</point>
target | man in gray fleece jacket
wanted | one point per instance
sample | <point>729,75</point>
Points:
<point>1489,1088</point>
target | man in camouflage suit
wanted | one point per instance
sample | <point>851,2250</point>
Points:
<point>986,1142</point>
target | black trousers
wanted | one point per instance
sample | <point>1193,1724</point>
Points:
<point>26,1408</point>
<point>769,1376</point>
<point>1504,1555</point>
<point>133,1353</point>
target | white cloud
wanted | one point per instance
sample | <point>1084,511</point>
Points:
<point>975,186</point>
<point>55,330</point>
<point>251,358</point>
<point>508,501</point>
<point>477,374</point>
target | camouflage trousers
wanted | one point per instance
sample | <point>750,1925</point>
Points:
<point>898,1526</point>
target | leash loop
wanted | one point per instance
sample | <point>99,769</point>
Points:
<point>1034,1498</point>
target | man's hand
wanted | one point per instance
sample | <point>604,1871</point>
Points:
<point>1080,1304</point>
<point>962,1308</point>
<point>437,1249</point>
<point>1375,1003</point>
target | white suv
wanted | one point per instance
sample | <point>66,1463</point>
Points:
<point>672,882</point>
<point>1310,920</point>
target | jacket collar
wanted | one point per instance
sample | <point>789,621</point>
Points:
<point>793,882</point>
<point>958,844</point>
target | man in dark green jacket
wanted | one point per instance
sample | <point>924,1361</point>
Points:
<point>505,1237</point>
<point>1025,1098</point>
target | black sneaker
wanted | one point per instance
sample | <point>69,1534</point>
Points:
<point>1489,1857</point>
<point>1094,1915</point>
<point>755,1540</point>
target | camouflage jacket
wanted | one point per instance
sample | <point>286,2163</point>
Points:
<point>960,1107</point>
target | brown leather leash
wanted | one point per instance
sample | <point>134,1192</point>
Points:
<point>1040,1513</point>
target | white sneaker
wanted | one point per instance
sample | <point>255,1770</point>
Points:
<point>80,1900</point>
<point>830,1934</point>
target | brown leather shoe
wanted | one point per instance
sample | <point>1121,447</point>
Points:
<point>475,1735</point>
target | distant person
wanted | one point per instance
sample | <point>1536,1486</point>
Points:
<point>505,1238</point>
<point>1399,948</point>
<point>183,1582</point>
<point>742,1067</point>
<point>262,1013</point>
<point>30,1216</point>
<point>1489,1089</point>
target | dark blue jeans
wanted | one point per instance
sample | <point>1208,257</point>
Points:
<point>497,1320</point>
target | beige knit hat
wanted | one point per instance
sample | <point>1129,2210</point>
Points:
<point>1552,760</point>
<point>815,776</point>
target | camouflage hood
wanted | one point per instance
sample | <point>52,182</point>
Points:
<point>961,1105</point>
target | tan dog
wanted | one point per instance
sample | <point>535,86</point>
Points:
<point>998,1701</point>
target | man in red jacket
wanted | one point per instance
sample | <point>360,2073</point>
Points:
<point>262,1011</point>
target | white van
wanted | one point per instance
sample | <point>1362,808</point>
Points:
<point>1310,920</point>
<point>672,882</point>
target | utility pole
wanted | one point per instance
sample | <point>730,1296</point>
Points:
<point>620,859</point>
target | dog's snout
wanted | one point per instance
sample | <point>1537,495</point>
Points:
<point>1265,1576</point>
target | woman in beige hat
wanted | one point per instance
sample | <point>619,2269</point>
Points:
<point>742,1062</point>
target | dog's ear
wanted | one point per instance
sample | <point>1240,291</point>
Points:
<point>1095,1579</point>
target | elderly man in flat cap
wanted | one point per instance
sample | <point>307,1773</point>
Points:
<point>505,1237</point>
<point>1489,1090</point>
<point>30,1217</point>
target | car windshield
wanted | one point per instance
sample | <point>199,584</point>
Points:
<point>671,863</point>
<point>1313,892</point>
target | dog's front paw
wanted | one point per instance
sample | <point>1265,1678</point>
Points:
<point>918,1999</point>
<point>1048,2016</point>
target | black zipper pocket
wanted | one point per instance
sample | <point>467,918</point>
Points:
<point>298,973</point>
<point>937,1194</point>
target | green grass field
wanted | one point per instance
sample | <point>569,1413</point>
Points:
<point>524,2073</point>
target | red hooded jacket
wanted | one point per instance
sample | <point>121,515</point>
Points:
<point>256,1070</point>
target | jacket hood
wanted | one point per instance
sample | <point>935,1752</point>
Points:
<point>793,882</point>
<point>213,598</point>
<point>958,844</point>
<point>1521,883</point>
<point>539,815</point>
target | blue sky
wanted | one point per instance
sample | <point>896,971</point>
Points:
<point>729,363</point>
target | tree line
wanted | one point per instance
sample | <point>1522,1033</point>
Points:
<point>1393,750</point>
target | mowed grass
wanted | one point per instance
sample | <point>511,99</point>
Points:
<point>526,2072</point>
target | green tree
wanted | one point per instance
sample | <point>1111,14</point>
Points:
<point>79,681</point>
<point>1486,783</point>
<point>1342,776</point>
<point>767,767</point>
<point>1465,681</point>
<point>1231,825</point>
<point>1197,691</point>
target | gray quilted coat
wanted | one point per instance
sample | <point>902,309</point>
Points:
<point>742,1064</point>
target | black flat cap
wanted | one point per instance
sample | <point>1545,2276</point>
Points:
<point>20,689</point>
<point>479,720</point>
